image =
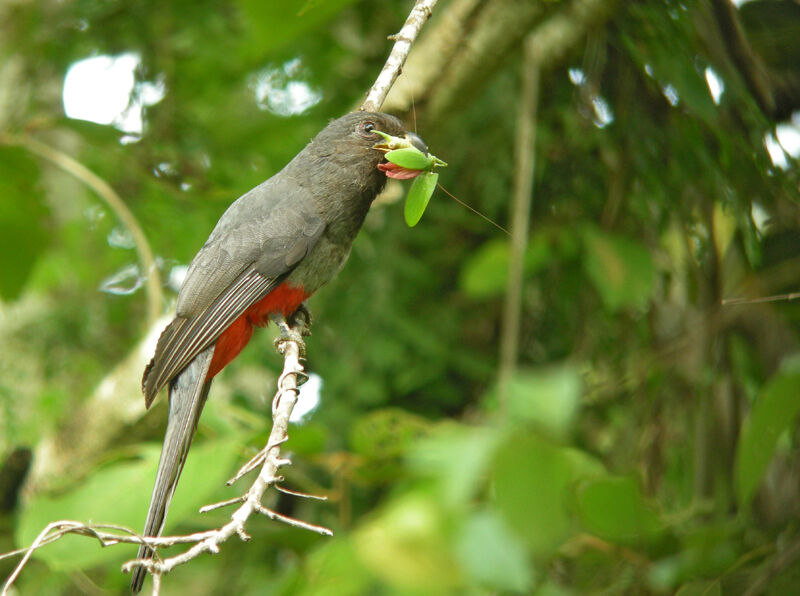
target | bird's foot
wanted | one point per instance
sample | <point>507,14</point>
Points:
<point>301,319</point>
<point>290,331</point>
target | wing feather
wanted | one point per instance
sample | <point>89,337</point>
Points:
<point>185,338</point>
<point>257,242</point>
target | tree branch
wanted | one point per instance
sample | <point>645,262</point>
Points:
<point>291,345</point>
<point>394,64</point>
<point>458,54</point>
<point>748,63</point>
<point>432,53</point>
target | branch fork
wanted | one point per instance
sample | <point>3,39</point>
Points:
<point>291,345</point>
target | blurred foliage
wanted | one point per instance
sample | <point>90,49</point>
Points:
<point>648,443</point>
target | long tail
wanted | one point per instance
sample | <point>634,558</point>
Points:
<point>187,395</point>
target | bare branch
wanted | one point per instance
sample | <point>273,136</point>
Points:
<point>119,535</point>
<point>432,53</point>
<point>776,298</point>
<point>291,345</point>
<point>455,57</point>
<point>221,504</point>
<point>295,493</point>
<point>274,515</point>
<point>394,64</point>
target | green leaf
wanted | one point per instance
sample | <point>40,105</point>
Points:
<point>614,508</point>
<point>620,269</point>
<point>410,158</point>
<point>773,412</point>
<point>531,479</point>
<point>456,457</point>
<point>418,196</point>
<point>549,398</point>
<point>485,272</point>
<point>492,555</point>
<point>405,546</point>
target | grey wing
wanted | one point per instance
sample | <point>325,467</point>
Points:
<point>240,264</point>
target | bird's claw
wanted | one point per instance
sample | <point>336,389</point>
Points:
<point>289,332</point>
<point>302,319</point>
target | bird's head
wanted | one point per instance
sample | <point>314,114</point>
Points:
<point>365,137</point>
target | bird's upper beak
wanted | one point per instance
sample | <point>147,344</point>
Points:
<point>390,143</point>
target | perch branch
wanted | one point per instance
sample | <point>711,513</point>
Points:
<point>291,345</point>
<point>394,64</point>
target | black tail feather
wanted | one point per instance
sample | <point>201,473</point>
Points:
<point>187,395</point>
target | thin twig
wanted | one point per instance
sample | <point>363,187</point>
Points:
<point>776,298</point>
<point>291,346</point>
<point>256,460</point>
<point>36,544</point>
<point>297,523</point>
<point>221,504</point>
<point>296,493</point>
<point>58,529</point>
<point>115,203</point>
<point>402,46</point>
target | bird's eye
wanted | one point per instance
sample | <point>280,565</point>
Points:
<point>365,129</point>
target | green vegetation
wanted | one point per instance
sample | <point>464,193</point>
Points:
<point>647,441</point>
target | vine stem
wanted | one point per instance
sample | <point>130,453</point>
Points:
<point>115,203</point>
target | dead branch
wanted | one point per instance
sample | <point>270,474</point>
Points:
<point>394,64</point>
<point>291,345</point>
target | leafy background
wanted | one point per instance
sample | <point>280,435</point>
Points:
<point>647,442</point>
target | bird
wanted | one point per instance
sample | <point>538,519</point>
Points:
<point>270,250</point>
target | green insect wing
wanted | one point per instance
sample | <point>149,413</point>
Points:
<point>418,196</point>
<point>410,158</point>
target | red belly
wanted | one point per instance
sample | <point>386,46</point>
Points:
<point>284,299</point>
